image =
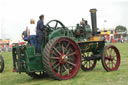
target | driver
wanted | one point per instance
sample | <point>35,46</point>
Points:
<point>39,32</point>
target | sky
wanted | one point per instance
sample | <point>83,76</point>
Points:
<point>15,15</point>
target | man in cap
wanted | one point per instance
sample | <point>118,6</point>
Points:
<point>39,32</point>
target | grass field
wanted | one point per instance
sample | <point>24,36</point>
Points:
<point>96,77</point>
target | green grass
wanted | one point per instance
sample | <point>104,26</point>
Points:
<point>96,77</point>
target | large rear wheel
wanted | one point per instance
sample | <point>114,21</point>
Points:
<point>111,58</point>
<point>61,58</point>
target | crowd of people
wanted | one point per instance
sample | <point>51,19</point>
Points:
<point>34,33</point>
<point>5,48</point>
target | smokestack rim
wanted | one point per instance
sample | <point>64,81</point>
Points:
<point>93,10</point>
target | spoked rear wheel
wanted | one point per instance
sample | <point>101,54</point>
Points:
<point>111,58</point>
<point>86,64</point>
<point>61,58</point>
<point>1,64</point>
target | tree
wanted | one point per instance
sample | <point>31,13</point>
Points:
<point>120,28</point>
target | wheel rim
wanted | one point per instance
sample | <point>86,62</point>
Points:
<point>86,64</point>
<point>65,58</point>
<point>111,58</point>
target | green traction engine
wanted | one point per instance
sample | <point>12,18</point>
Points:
<point>64,51</point>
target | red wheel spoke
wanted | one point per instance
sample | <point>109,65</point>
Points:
<point>56,50</point>
<point>108,63</point>
<point>107,57</point>
<point>63,48</point>
<point>67,45</point>
<point>59,46</point>
<point>107,53</point>
<point>71,63</point>
<point>53,63</point>
<point>54,53</point>
<point>114,54</point>
<point>110,51</point>
<point>59,69</point>
<point>112,64</point>
<point>68,51</point>
<point>68,66</point>
<point>71,59</point>
<point>72,54</point>
<point>54,67</point>
<point>65,67</point>
<point>67,70</point>
<point>55,58</point>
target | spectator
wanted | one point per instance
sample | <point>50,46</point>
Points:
<point>24,35</point>
<point>31,33</point>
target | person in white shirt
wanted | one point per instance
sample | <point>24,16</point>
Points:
<point>31,33</point>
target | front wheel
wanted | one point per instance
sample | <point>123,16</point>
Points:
<point>110,58</point>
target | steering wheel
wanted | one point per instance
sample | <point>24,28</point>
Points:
<point>55,24</point>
